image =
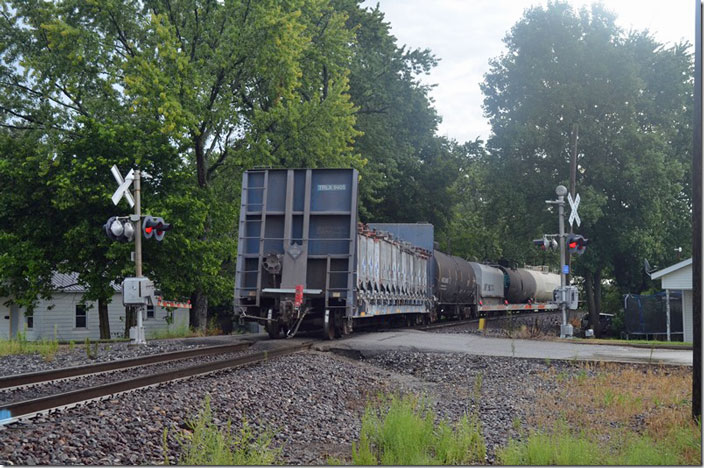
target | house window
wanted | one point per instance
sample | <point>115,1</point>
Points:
<point>30,321</point>
<point>80,316</point>
<point>150,311</point>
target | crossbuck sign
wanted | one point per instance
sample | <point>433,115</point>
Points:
<point>124,186</point>
<point>573,205</point>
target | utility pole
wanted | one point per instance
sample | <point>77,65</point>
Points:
<point>697,280</point>
<point>573,181</point>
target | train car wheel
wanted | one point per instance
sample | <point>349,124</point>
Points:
<point>329,326</point>
<point>346,326</point>
<point>273,329</point>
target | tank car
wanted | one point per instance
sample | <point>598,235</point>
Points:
<point>490,284</point>
<point>454,284</point>
<point>545,283</point>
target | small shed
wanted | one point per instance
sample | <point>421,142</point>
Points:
<point>679,276</point>
<point>65,317</point>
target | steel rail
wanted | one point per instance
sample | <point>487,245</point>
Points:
<point>28,407</point>
<point>67,372</point>
<point>493,318</point>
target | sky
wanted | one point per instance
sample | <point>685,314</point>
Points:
<point>466,34</point>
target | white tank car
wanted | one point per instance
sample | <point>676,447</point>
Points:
<point>545,282</point>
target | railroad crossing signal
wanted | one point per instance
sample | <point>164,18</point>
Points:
<point>153,226</point>
<point>576,244</point>
<point>545,243</point>
<point>119,229</point>
<point>574,204</point>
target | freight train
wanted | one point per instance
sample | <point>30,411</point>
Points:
<point>305,263</point>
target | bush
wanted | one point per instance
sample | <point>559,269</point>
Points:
<point>407,434</point>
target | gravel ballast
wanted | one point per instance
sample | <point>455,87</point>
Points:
<point>76,355</point>
<point>313,403</point>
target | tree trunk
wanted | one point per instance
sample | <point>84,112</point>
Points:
<point>591,303</point>
<point>103,319</point>
<point>597,304</point>
<point>200,306</point>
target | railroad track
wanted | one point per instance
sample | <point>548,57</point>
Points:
<point>21,409</point>
<point>494,318</point>
<point>19,380</point>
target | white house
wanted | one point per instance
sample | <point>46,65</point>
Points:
<point>679,276</point>
<point>64,317</point>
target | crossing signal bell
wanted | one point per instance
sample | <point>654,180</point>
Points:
<point>576,244</point>
<point>153,226</point>
<point>545,243</point>
<point>119,229</point>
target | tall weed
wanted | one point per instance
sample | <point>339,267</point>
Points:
<point>209,445</point>
<point>403,431</point>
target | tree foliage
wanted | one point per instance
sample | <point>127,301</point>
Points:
<point>629,97</point>
<point>409,169</point>
<point>192,92</point>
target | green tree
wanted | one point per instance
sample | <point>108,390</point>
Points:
<point>206,88</point>
<point>630,97</point>
<point>409,168</point>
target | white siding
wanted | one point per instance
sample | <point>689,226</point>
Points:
<point>56,318</point>
<point>4,319</point>
<point>687,308</point>
<point>158,322</point>
<point>678,279</point>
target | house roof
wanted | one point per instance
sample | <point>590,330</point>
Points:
<point>68,282</point>
<point>670,269</point>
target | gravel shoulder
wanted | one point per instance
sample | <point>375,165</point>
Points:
<point>312,402</point>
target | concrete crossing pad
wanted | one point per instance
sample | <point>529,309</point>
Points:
<point>414,340</point>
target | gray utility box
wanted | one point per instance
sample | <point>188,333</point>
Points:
<point>138,291</point>
<point>568,295</point>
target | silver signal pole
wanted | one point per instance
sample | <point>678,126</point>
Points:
<point>138,250</point>
<point>561,191</point>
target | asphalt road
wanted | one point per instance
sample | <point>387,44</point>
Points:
<point>487,346</point>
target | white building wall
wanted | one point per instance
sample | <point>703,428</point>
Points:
<point>56,318</point>
<point>679,279</point>
<point>159,323</point>
<point>687,313</point>
<point>4,319</point>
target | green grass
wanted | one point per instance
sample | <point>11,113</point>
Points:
<point>404,431</point>
<point>209,445</point>
<point>610,414</point>
<point>615,341</point>
<point>182,331</point>
<point>542,449</point>
<point>562,447</point>
<point>47,348</point>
